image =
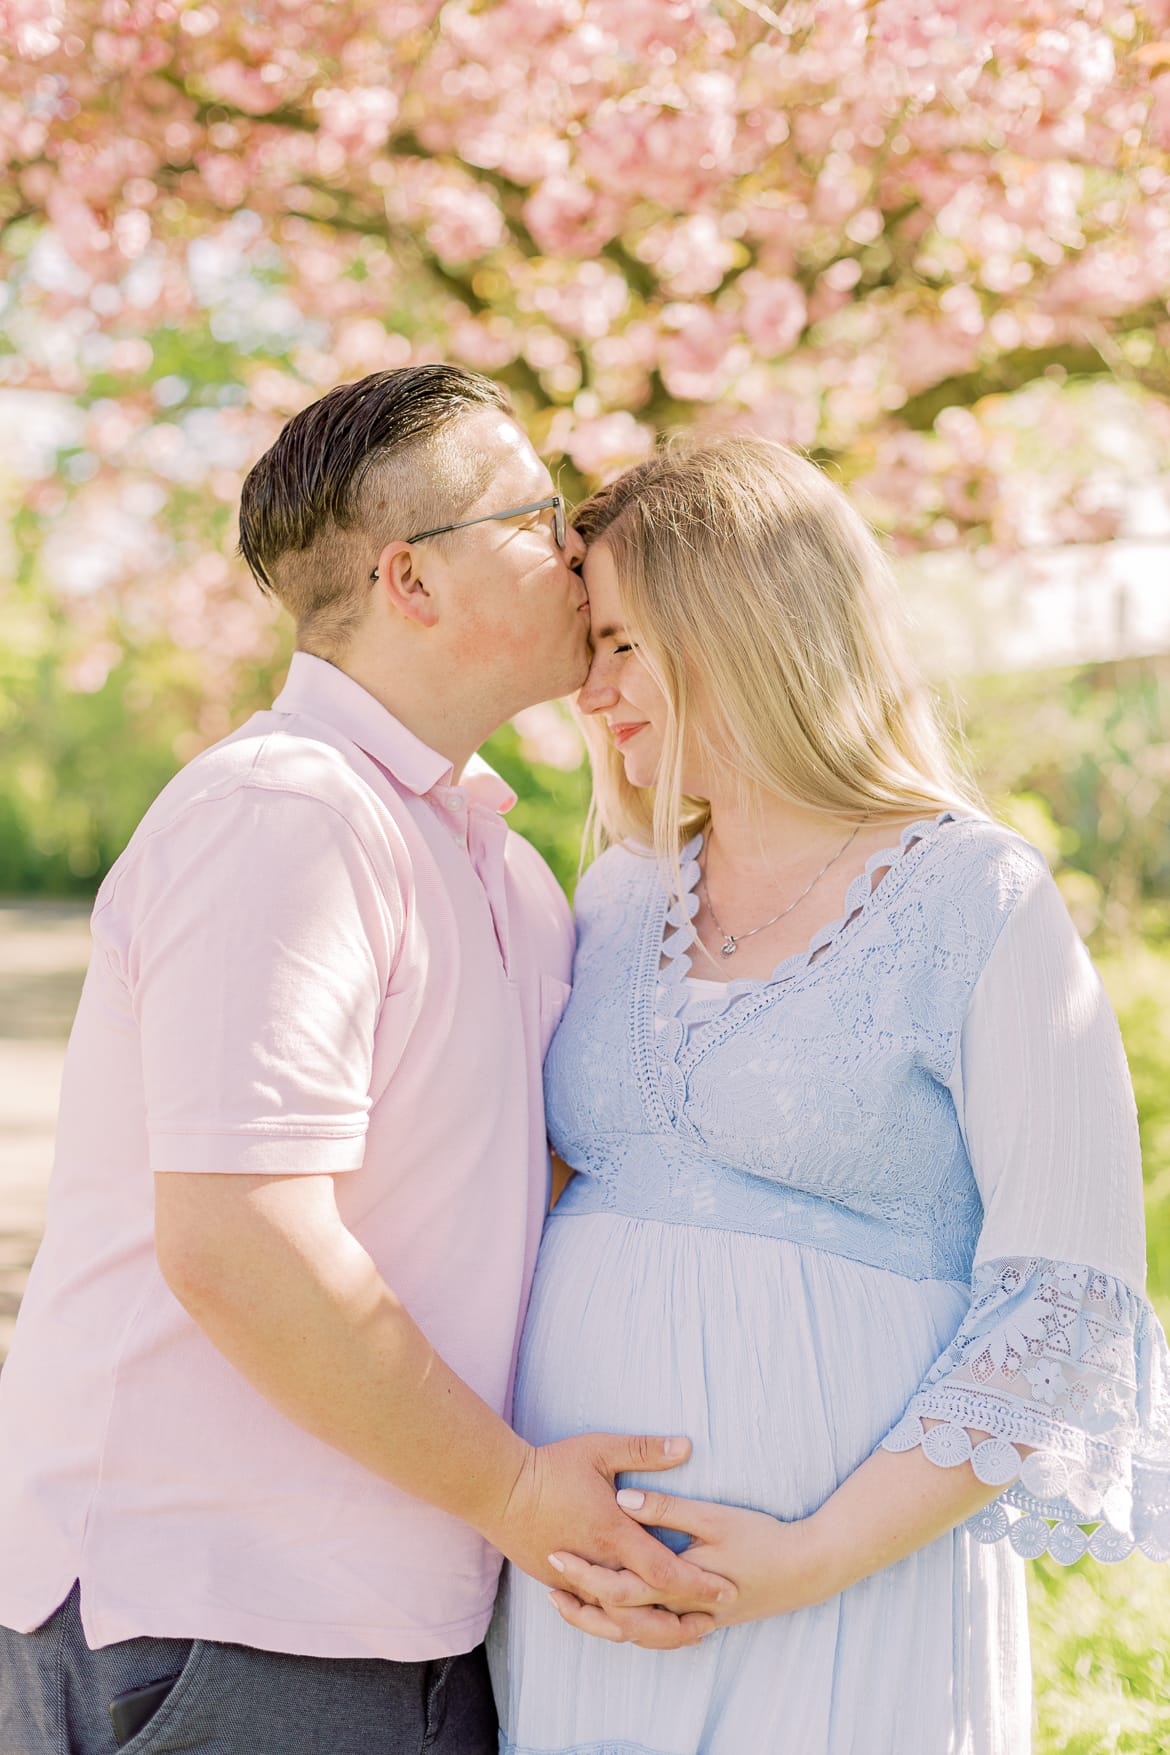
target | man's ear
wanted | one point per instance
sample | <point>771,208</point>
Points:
<point>397,577</point>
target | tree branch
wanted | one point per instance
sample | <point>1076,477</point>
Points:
<point>208,110</point>
<point>1024,365</point>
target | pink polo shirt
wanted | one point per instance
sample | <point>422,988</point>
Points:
<point>316,954</point>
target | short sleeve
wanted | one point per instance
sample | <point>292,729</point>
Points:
<point>1060,1352</point>
<point>259,949</point>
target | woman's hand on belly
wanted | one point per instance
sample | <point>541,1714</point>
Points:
<point>777,1567</point>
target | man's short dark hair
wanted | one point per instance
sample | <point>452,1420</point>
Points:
<point>366,463</point>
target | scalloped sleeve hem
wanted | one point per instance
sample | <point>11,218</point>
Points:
<point>1066,1370</point>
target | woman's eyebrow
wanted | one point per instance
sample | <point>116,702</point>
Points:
<point>613,631</point>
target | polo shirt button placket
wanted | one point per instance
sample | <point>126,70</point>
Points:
<point>455,805</point>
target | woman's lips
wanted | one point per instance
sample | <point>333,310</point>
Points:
<point>623,733</point>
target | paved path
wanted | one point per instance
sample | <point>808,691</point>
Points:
<point>44,947</point>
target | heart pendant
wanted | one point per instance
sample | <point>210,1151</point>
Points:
<point>729,947</point>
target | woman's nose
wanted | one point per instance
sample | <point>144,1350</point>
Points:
<point>597,693</point>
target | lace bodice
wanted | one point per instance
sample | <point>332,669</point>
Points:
<point>935,1087</point>
<point>816,1101</point>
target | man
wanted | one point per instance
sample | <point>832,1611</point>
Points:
<point>255,1471</point>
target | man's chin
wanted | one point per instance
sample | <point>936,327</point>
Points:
<point>565,674</point>
<point>573,678</point>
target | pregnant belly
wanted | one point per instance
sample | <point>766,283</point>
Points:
<point>784,1365</point>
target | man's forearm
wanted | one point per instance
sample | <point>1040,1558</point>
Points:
<point>267,1269</point>
<point>289,1296</point>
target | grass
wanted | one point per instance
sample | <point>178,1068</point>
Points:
<point>1099,1657</point>
<point>1099,1633</point>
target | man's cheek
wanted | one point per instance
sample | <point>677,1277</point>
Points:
<point>481,639</point>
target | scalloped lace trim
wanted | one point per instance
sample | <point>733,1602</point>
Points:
<point>1033,1484</point>
<point>1070,1364</point>
<point>678,942</point>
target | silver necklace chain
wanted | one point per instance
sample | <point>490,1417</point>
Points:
<point>732,940</point>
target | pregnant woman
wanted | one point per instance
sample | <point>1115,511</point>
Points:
<point>858,1197</point>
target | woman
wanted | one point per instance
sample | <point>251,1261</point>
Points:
<point>858,1199</point>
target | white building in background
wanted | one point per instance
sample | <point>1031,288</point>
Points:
<point>1048,607</point>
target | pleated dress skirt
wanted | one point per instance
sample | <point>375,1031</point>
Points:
<point>785,1365</point>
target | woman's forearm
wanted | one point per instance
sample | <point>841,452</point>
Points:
<point>894,1504</point>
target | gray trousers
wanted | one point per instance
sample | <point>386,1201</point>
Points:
<point>231,1700</point>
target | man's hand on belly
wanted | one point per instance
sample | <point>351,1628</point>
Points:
<point>563,1499</point>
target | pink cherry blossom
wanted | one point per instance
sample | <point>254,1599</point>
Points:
<point>696,352</point>
<point>549,734</point>
<point>568,217</point>
<point>886,232</point>
<point>774,311</point>
<point>607,444</point>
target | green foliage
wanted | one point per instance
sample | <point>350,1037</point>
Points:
<point>1138,980</point>
<point>550,805</point>
<point>210,372</point>
<point>80,767</point>
<point>1079,760</point>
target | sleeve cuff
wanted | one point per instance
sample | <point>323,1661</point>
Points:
<point>1072,1365</point>
<point>257,1154</point>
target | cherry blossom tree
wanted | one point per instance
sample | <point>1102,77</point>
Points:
<point>908,238</point>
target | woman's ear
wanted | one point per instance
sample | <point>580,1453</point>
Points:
<point>397,579</point>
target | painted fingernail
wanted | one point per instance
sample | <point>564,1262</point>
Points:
<point>630,1499</point>
<point>557,1565</point>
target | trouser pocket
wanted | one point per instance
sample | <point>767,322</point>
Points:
<point>165,1722</point>
<point>460,1711</point>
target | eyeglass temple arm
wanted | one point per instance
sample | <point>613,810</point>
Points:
<point>488,518</point>
<point>517,511</point>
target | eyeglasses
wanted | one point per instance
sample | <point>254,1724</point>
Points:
<point>555,502</point>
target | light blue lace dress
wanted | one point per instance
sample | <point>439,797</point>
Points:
<point>900,1178</point>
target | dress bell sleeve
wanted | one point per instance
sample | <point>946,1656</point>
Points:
<point>1057,1384</point>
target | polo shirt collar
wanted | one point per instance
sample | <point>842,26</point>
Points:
<point>320,689</point>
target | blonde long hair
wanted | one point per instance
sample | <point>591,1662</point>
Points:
<point>767,614</point>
